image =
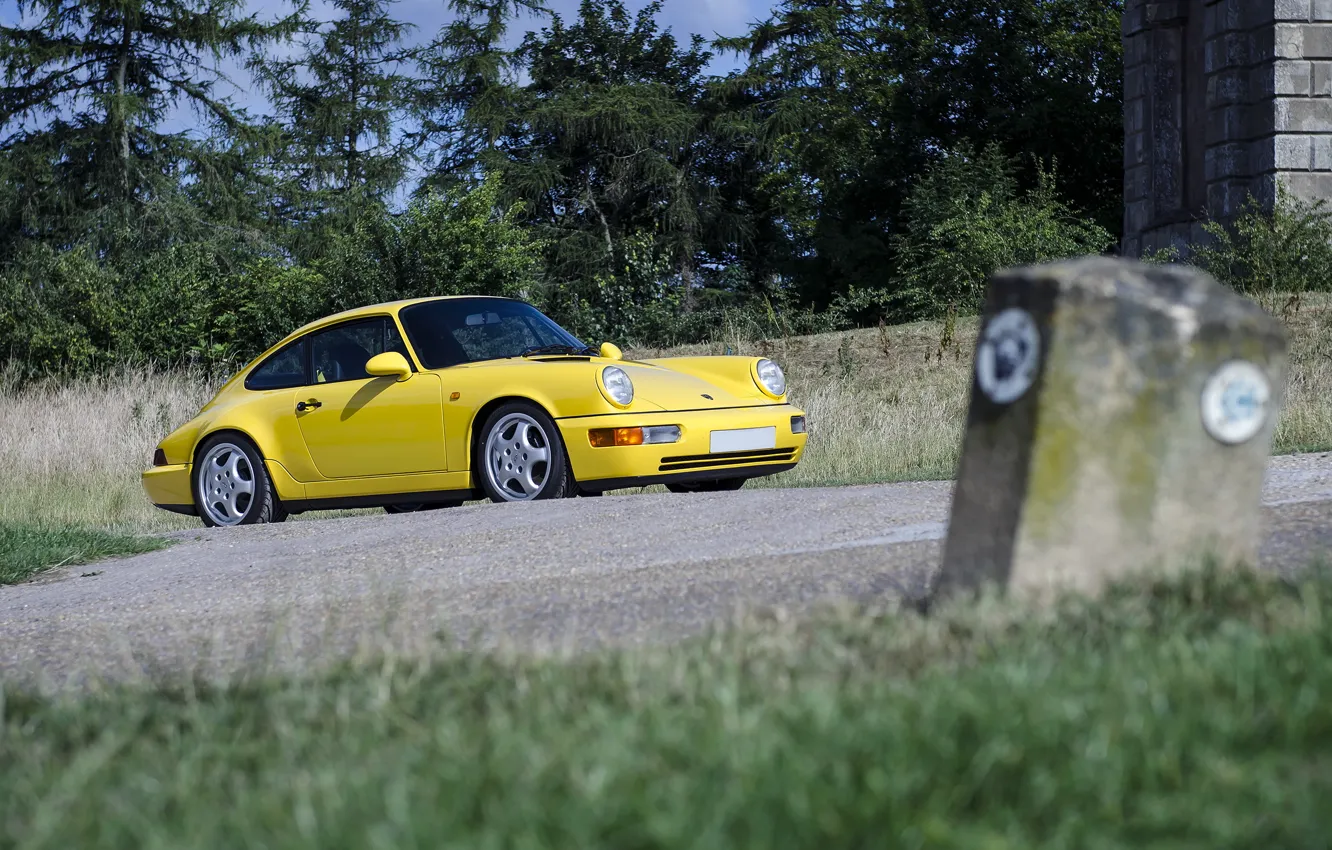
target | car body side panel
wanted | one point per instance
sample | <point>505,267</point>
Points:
<point>376,426</point>
<point>268,419</point>
<point>179,444</point>
<point>346,488</point>
<point>288,488</point>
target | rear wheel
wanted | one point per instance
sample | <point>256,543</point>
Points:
<point>724,486</point>
<point>522,458</point>
<point>231,484</point>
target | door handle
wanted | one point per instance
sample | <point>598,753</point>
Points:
<point>303,406</point>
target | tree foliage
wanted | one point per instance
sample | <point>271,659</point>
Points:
<point>596,165</point>
<point>337,102</point>
<point>618,148</point>
<point>858,97</point>
<point>966,218</point>
<point>87,86</point>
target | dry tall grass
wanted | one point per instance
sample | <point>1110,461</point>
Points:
<point>71,453</point>
<point>885,404</point>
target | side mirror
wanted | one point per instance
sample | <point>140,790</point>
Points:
<point>611,352</point>
<point>390,364</point>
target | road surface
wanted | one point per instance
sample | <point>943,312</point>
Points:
<point>570,574</point>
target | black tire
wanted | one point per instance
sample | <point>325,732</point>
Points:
<point>514,478</point>
<point>232,461</point>
<point>726,485</point>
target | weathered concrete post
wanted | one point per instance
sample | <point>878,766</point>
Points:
<point>1121,418</point>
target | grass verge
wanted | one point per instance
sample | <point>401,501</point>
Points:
<point>26,550</point>
<point>1192,712</point>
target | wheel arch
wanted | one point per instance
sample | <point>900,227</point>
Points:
<point>285,486</point>
<point>207,435</point>
<point>482,414</point>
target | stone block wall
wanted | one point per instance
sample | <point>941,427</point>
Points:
<point>1222,99</point>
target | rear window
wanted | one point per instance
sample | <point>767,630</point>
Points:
<point>283,370</point>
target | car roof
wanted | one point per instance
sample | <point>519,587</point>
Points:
<point>377,310</point>
<point>387,307</point>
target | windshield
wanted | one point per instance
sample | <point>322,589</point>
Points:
<point>466,330</point>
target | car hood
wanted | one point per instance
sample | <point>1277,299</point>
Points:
<point>657,386</point>
<point>672,389</point>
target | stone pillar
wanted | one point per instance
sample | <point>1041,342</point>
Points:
<point>1222,99</point>
<point>1121,419</point>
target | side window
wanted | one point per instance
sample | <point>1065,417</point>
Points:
<point>340,353</point>
<point>282,371</point>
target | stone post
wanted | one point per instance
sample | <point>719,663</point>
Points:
<point>1121,418</point>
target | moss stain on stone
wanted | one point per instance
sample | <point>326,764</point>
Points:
<point>1054,459</point>
<point>1132,448</point>
<point>1124,444</point>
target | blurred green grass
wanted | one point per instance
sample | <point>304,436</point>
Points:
<point>1191,712</point>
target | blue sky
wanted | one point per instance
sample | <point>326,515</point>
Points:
<point>709,18</point>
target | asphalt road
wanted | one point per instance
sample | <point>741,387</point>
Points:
<point>559,575</point>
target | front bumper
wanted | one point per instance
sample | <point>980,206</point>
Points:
<point>689,459</point>
<point>168,487</point>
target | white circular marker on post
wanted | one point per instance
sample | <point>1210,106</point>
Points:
<point>1008,355</point>
<point>1235,402</point>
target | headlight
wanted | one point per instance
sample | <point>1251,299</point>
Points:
<point>770,378</point>
<point>619,388</point>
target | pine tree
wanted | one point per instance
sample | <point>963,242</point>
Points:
<point>87,86</point>
<point>619,136</point>
<point>466,77</point>
<point>338,101</point>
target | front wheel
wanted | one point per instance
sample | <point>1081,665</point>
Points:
<point>727,485</point>
<point>522,458</point>
<point>231,484</point>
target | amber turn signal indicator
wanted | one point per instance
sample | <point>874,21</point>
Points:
<point>603,438</point>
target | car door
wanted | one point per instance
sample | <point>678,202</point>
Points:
<point>355,425</point>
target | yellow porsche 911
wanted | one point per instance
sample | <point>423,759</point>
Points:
<point>432,402</point>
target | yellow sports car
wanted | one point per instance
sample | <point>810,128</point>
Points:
<point>429,403</point>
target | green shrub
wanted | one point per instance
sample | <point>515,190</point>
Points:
<point>1268,254</point>
<point>463,243</point>
<point>58,312</point>
<point>213,306</point>
<point>966,219</point>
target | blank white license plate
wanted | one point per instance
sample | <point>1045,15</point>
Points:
<point>744,440</point>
